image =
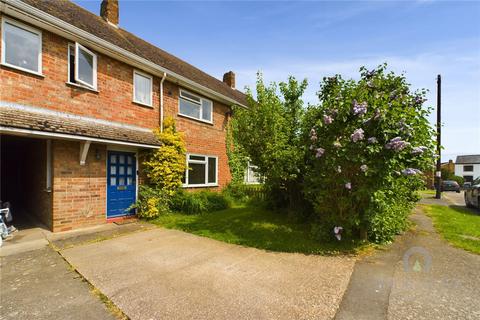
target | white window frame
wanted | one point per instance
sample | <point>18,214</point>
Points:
<point>205,162</point>
<point>196,102</point>
<point>78,46</point>
<point>26,28</point>
<point>143,74</point>
<point>250,168</point>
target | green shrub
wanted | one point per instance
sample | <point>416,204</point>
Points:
<point>151,202</point>
<point>166,165</point>
<point>460,180</point>
<point>217,201</point>
<point>198,202</point>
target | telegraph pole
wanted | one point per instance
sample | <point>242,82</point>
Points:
<point>438,173</point>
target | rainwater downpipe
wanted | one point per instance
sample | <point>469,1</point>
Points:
<point>161,101</point>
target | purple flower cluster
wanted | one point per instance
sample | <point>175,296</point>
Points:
<point>370,73</point>
<point>359,109</point>
<point>403,126</point>
<point>411,172</point>
<point>320,152</point>
<point>418,150</point>
<point>364,168</point>
<point>313,135</point>
<point>327,119</point>
<point>393,95</point>
<point>419,99</point>
<point>357,135</point>
<point>348,186</point>
<point>396,144</point>
<point>372,140</point>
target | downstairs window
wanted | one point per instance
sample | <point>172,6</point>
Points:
<point>202,171</point>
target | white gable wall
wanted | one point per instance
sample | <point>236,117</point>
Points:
<point>475,173</point>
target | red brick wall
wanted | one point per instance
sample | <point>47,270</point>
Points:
<point>201,137</point>
<point>113,101</point>
<point>79,192</point>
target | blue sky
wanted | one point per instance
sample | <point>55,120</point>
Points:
<point>313,39</point>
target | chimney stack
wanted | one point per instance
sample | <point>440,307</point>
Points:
<point>109,11</point>
<point>229,79</point>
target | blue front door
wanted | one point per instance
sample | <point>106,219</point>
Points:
<point>121,184</point>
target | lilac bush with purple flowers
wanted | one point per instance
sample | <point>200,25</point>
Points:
<point>381,140</point>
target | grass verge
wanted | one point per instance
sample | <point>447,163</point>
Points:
<point>459,226</point>
<point>258,228</point>
<point>427,192</point>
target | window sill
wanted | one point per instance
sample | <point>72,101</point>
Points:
<point>200,185</point>
<point>11,66</point>
<point>143,104</point>
<point>196,119</point>
<point>76,85</point>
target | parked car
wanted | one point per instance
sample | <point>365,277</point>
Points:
<point>450,185</point>
<point>472,194</point>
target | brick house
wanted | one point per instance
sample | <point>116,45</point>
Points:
<point>79,98</point>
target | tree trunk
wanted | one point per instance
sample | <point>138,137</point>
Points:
<point>363,234</point>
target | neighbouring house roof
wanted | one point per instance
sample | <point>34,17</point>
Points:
<point>468,159</point>
<point>34,119</point>
<point>93,24</point>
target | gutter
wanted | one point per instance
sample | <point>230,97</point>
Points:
<point>39,18</point>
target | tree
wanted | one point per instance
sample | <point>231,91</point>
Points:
<point>268,133</point>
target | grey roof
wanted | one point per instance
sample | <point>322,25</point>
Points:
<point>39,119</point>
<point>468,159</point>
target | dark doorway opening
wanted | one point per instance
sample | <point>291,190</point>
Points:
<point>23,181</point>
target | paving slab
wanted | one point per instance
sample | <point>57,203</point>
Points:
<point>420,276</point>
<point>39,284</point>
<point>63,240</point>
<point>447,284</point>
<point>169,274</point>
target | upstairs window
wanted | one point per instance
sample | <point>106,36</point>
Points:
<point>201,171</point>
<point>21,46</point>
<point>196,107</point>
<point>468,168</point>
<point>142,88</point>
<point>82,66</point>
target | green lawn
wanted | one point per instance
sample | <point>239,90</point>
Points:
<point>459,226</point>
<point>427,192</point>
<point>257,228</point>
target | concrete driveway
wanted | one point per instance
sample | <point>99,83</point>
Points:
<point>168,274</point>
